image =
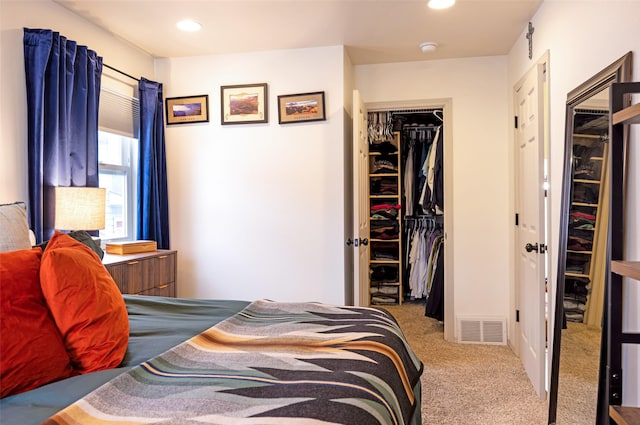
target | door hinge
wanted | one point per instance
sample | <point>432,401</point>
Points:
<point>515,118</point>
<point>517,219</point>
<point>517,316</point>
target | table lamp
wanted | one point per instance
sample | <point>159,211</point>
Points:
<point>80,208</point>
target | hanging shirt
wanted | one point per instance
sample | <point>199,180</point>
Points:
<point>408,182</point>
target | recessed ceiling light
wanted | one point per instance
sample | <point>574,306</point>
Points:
<point>188,25</point>
<point>428,46</point>
<point>441,4</point>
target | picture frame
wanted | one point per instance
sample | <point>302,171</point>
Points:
<point>187,109</point>
<point>244,104</point>
<point>301,107</point>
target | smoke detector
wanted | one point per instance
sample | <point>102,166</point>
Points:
<point>428,46</point>
<point>441,4</point>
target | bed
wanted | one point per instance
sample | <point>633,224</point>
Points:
<point>188,361</point>
<point>158,324</point>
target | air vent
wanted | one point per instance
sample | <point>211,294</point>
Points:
<point>482,330</point>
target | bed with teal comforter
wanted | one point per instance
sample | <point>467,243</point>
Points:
<point>234,362</point>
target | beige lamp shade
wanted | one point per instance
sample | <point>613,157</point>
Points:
<point>80,208</point>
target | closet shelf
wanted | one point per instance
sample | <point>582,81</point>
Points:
<point>629,115</point>
<point>382,153</point>
<point>626,268</point>
<point>573,251</point>
<point>586,181</point>
<point>587,136</point>
<point>385,254</point>
<point>569,274</point>
<point>583,204</point>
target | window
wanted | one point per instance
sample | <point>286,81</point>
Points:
<point>117,174</point>
<point>118,157</point>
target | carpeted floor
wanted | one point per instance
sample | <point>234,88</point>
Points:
<point>470,383</point>
<point>578,383</point>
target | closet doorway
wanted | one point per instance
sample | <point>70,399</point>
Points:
<point>417,122</point>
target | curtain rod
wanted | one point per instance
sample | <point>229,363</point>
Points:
<point>117,70</point>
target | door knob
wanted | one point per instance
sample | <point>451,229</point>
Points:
<point>531,248</point>
<point>357,242</point>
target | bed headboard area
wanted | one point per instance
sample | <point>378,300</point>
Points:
<point>14,227</point>
<point>62,313</point>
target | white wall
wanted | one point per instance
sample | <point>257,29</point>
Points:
<point>256,210</point>
<point>14,16</point>
<point>584,37</point>
<point>480,165</point>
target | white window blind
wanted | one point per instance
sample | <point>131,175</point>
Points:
<point>118,113</point>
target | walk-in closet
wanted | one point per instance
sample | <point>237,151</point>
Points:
<point>406,200</point>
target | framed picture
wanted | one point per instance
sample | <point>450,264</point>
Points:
<point>244,104</point>
<point>302,107</point>
<point>187,109</point>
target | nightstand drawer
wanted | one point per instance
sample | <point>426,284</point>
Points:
<point>165,266</point>
<point>149,273</point>
<point>166,290</point>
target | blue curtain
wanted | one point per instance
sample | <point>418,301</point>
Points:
<point>63,93</point>
<point>153,204</point>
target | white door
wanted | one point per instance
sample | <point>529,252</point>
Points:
<point>361,203</point>
<point>530,232</point>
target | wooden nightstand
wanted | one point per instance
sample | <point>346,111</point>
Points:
<point>147,273</point>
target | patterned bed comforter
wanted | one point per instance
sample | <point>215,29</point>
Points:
<point>271,363</point>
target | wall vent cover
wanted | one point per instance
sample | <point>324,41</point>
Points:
<point>482,330</point>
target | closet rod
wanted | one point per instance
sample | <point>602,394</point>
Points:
<point>438,217</point>
<point>416,111</point>
<point>437,112</point>
<point>432,222</point>
<point>121,72</point>
<point>423,128</point>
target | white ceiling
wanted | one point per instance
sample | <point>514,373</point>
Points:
<point>373,31</point>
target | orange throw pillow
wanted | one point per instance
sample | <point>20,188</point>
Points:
<point>86,305</point>
<point>31,349</point>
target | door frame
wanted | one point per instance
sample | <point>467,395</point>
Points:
<point>446,104</point>
<point>514,340</point>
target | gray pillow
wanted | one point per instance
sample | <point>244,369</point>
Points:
<point>83,237</point>
<point>14,228</point>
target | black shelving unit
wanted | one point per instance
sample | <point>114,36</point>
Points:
<point>611,375</point>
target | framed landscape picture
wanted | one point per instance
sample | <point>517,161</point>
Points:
<point>187,109</point>
<point>244,104</point>
<point>302,107</point>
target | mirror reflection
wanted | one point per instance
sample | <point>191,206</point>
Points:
<point>585,264</point>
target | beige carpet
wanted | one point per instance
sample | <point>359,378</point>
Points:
<point>468,383</point>
<point>578,383</point>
